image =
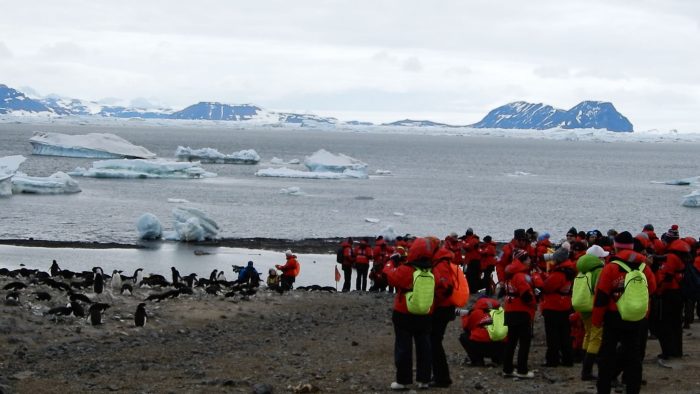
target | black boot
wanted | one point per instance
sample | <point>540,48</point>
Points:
<point>587,367</point>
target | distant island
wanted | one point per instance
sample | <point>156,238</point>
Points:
<point>517,115</point>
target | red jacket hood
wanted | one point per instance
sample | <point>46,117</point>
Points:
<point>515,267</point>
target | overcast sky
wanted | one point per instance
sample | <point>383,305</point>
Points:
<point>378,60</point>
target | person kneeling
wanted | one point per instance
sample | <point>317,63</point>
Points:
<point>476,338</point>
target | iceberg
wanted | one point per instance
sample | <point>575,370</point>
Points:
<point>140,168</point>
<point>692,200</point>
<point>191,224</point>
<point>149,226</point>
<point>681,182</point>
<point>388,233</point>
<point>285,172</point>
<point>8,168</point>
<point>292,191</point>
<point>57,183</point>
<point>210,155</point>
<point>324,161</point>
<point>93,145</point>
<point>278,161</point>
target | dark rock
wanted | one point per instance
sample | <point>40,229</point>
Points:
<point>262,388</point>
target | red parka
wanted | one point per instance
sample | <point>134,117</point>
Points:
<point>478,318</point>
<point>520,293</point>
<point>556,290</point>
<point>291,267</point>
<point>363,253</point>
<point>444,277</point>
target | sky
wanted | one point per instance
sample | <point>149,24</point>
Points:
<point>381,60</point>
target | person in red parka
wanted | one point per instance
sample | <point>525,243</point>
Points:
<point>347,263</point>
<point>410,328</point>
<point>475,338</point>
<point>668,280</point>
<point>363,257</point>
<point>556,307</point>
<point>628,334</point>
<point>520,241</point>
<point>656,243</point>
<point>443,314</point>
<point>290,270</point>
<point>473,259</point>
<point>519,309</point>
<point>487,250</point>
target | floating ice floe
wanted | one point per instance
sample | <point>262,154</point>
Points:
<point>372,220</point>
<point>388,233</point>
<point>398,213</point>
<point>382,172</point>
<point>519,173</point>
<point>322,165</point>
<point>149,226</point>
<point>278,161</point>
<point>8,168</point>
<point>57,183</point>
<point>140,168</point>
<point>210,155</point>
<point>93,145</point>
<point>692,200</point>
<point>177,201</point>
<point>292,191</point>
<point>693,180</point>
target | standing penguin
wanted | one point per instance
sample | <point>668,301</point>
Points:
<point>96,311</point>
<point>116,282</point>
<point>176,275</point>
<point>138,277</point>
<point>55,269</point>
<point>140,316</point>
<point>212,276</point>
<point>98,283</point>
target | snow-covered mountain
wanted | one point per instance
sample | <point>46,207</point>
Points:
<point>517,115</point>
<point>524,115</point>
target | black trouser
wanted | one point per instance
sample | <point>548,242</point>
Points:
<point>688,310</point>
<point>474,275</point>
<point>441,317</point>
<point>486,281</point>
<point>558,334</point>
<point>286,282</point>
<point>408,329</point>
<point>347,277</point>
<point>477,351</point>
<point>654,315</point>
<point>361,280</point>
<point>519,332</point>
<point>670,330</point>
<point>628,335</point>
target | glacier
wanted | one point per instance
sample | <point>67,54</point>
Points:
<point>8,168</point>
<point>145,169</point>
<point>57,183</point>
<point>93,145</point>
<point>210,155</point>
<point>322,165</point>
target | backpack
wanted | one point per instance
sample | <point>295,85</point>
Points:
<point>582,294</point>
<point>497,330</point>
<point>634,301</point>
<point>690,285</point>
<point>460,292</point>
<point>420,298</point>
<point>339,256</point>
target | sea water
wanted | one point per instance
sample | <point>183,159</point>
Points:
<point>437,184</point>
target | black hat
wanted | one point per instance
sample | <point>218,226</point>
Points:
<point>530,231</point>
<point>672,233</point>
<point>487,238</point>
<point>520,234</point>
<point>624,240</point>
<point>648,227</point>
<point>469,231</point>
<point>572,231</point>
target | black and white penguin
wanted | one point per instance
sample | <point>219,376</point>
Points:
<point>96,311</point>
<point>212,276</point>
<point>42,296</point>
<point>221,277</point>
<point>12,297</point>
<point>138,277</point>
<point>14,286</point>
<point>127,289</point>
<point>60,311</point>
<point>116,282</point>
<point>140,317</point>
<point>78,310</point>
<point>79,297</point>
<point>191,280</point>
<point>55,269</point>
<point>176,275</point>
<point>98,283</point>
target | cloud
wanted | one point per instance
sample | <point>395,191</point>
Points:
<point>412,64</point>
<point>5,51</point>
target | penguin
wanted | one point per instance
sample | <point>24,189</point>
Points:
<point>191,280</point>
<point>98,284</point>
<point>12,297</point>
<point>176,276</point>
<point>96,311</point>
<point>14,286</point>
<point>140,317</point>
<point>42,296</point>
<point>221,277</point>
<point>78,310</point>
<point>79,297</point>
<point>212,277</point>
<point>138,277</point>
<point>116,282</point>
<point>60,311</point>
<point>55,269</point>
<point>128,289</point>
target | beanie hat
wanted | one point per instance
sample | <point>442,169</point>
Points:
<point>672,233</point>
<point>469,231</point>
<point>288,253</point>
<point>648,227</point>
<point>543,237</point>
<point>487,238</point>
<point>597,251</point>
<point>250,264</point>
<point>560,255</point>
<point>624,240</point>
<point>520,234</point>
<point>572,231</point>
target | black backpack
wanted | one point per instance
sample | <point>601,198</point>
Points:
<point>339,256</point>
<point>690,285</point>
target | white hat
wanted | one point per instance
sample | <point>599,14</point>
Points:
<point>597,251</point>
<point>288,252</point>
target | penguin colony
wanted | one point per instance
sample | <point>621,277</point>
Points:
<point>87,295</point>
